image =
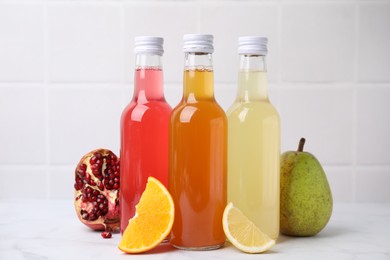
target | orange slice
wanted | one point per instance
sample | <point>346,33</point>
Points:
<point>152,221</point>
<point>242,233</point>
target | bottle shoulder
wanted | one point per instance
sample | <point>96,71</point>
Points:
<point>255,110</point>
<point>161,104</point>
<point>201,110</point>
<point>137,111</point>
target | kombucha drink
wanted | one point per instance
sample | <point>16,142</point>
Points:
<point>254,142</point>
<point>198,153</point>
<point>144,128</point>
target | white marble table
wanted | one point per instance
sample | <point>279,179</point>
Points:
<point>50,230</point>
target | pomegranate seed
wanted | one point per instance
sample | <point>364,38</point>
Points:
<point>85,215</point>
<point>93,216</point>
<point>101,186</point>
<point>106,234</point>
<point>83,167</point>
<point>92,160</point>
<point>116,186</point>
<point>88,190</point>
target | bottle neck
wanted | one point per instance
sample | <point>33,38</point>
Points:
<point>252,79</point>
<point>148,78</point>
<point>198,77</point>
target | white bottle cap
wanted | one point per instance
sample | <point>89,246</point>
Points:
<point>252,45</point>
<point>198,43</point>
<point>149,45</point>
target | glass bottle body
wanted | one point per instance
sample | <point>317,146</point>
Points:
<point>198,154</point>
<point>254,148</point>
<point>144,135</point>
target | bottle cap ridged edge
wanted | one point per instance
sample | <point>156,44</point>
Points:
<point>149,45</point>
<point>198,43</point>
<point>252,45</point>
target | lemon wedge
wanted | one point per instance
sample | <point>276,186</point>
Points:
<point>242,233</point>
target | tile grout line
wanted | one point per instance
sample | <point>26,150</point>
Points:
<point>46,84</point>
<point>279,60</point>
<point>122,47</point>
<point>198,22</point>
<point>280,33</point>
<point>354,103</point>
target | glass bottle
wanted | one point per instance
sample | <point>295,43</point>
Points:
<point>144,128</point>
<point>198,153</point>
<point>254,141</point>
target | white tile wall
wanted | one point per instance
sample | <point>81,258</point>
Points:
<point>61,178</point>
<point>21,42</point>
<point>374,42</point>
<point>83,118</point>
<point>84,42</point>
<point>372,184</point>
<point>165,19</point>
<point>341,181</point>
<point>373,124</point>
<point>228,22</point>
<point>23,182</point>
<point>66,74</point>
<point>318,42</point>
<point>323,115</point>
<point>225,94</point>
<point>22,124</point>
<point>173,93</point>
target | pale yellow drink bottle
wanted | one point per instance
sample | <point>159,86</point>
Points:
<point>254,141</point>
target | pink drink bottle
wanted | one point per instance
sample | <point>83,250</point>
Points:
<point>144,128</point>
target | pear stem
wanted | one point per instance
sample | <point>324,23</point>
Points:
<point>301,144</point>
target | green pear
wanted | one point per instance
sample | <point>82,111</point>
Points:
<point>305,197</point>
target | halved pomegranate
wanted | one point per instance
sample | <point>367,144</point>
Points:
<point>97,191</point>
